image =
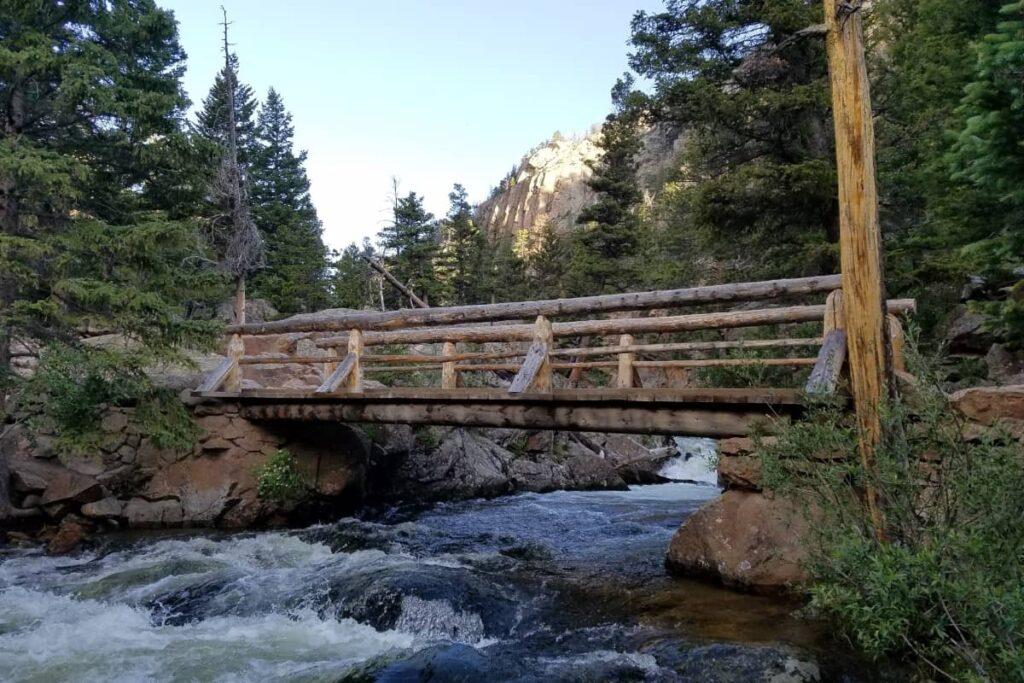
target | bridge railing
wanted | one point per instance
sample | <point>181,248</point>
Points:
<point>342,345</point>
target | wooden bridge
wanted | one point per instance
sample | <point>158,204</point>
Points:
<point>454,353</point>
<point>858,329</point>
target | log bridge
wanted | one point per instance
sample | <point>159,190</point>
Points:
<point>536,351</point>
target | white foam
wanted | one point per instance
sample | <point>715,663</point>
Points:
<point>44,636</point>
<point>697,461</point>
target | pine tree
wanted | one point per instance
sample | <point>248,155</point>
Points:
<point>988,156</point>
<point>295,277</point>
<point>756,186</point>
<point>605,248</point>
<point>92,105</point>
<point>922,59</point>
<point>505,276</point>
<point>212,119</point>
<point>549,263</point>
<point>462,250</point>
<point>353,283</point>
<point>409,246</point>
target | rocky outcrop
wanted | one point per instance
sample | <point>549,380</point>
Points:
<point>745,540</point>
<point>549,186</point>
<point>1001,408</point>
<point>131,482</point>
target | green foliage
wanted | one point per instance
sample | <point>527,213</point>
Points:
<point>428,438</point>
<point>99,183</point>
<point>279,479</point>
<point>922,57</point>
<point>74,385</point>
<point>756,185</point>
<point>295,277</point>
<point>944,590</point>
<point>409,246</point>
<point>987,155</point>
<point>353,283</point>
<point>606,246</point>
<point>463,246</point>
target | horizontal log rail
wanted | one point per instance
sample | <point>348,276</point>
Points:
<point>606,303</point>
<point>617,326</point>
<point>428,359</point>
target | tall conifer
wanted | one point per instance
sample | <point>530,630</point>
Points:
<point>295,277</point>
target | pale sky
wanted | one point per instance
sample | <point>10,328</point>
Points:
<point>433,93</point>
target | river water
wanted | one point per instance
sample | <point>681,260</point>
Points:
<point>565,586</point>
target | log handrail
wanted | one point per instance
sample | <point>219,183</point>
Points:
<point>605,303</point>
<point>344,361</point>
<point>426,359</point>
<point>677,323</point>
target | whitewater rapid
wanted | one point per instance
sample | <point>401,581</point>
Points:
<point>554,587</point>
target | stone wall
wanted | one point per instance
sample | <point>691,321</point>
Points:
<point>132,483</point>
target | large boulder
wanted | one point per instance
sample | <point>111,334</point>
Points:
<point>969,333</point>
<point>745,540</point>
<point>145,514</point>
<point>999,407</point>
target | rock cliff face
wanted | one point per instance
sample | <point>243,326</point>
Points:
<point>549,186</point>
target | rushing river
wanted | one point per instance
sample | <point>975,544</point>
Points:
<point>553,587</point>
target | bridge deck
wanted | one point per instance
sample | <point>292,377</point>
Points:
<point>698,412</point>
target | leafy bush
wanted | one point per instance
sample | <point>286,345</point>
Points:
<point>73,385</point>
<point>945,588</point>
<point>427,437</point>
<point>279,479</point>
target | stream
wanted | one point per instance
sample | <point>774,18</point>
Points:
<point>565,586</point>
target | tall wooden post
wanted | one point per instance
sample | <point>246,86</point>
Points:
<point>236,349</point>
<point>449,376</point>
<point>543,335</point>
<point>624,378</point>
<point>355,346</point>
<point>859,241</point>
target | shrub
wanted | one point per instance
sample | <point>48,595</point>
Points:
<point>279,479</point>
<point>945,588</point>
<point>73,385</point>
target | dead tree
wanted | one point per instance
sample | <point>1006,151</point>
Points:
<point>244,253</point>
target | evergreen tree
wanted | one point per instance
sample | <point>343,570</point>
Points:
<point>212,119</point>
<point>295,277</point>
<point>922,58</point>
<point>549,263</point>
<point>505,272</point>
<point>988,155</point>
<point>605,248</point>
<point>462,250</point>
<point>756,186</point>
<point>409,246</point>
<point>92,104</point>
<point>353,283</point>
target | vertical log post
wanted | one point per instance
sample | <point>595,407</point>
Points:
<point>542,333</point>
<point>835,316</point>
<point>625,374</point>
<point>354,382</point>
<point>449,377</point>
<point>331,364</point>
<point>860,242</point>
<point>896,340</point>
<point>236,349</point>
